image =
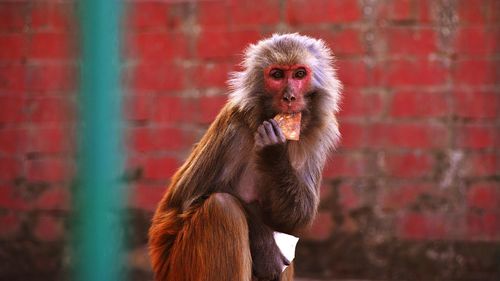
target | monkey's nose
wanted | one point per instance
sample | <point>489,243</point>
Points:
<point>289,98</point>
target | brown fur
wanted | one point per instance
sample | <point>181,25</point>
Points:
<point>199,233</point>
<point>219,219</point>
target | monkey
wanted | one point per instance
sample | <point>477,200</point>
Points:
<point>244,180</point>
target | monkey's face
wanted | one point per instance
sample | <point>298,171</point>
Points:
<point>287,85</point>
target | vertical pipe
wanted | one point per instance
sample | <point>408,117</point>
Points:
<point>99,192</point>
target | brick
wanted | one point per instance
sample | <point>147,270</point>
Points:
<point>54,199</point>
<point>325,192</point>
<point>475,72</point>
<point>12,109</point>
<point>160,168</point>
<point>49,140</point>
<point>322,11</point>
<point>485,196</point>
<point>158,139</point>
<point>404,72</point>
<point>352,72</point>
<point>51,110</point>
<point>358,104</point>
<point>212,74</point>
<point>402,10</point>
<point>159,77</point>
<point>179,15</point>
<point>477,40</point>
<point>407,104</point>
<point>147,14</point>
<point>494,9</point>
<point>413,226</point>
<point>345,165</point>
<point>147,196</point>
<point>13,15</point>
<point>138,107</point>
<point>54,16</point>
<point>170,110</point>
<point>12,78</point>
<point>13,46</point>
<point>408,135</point>
<point>191,109</point>
<point>11,225</point>
<point>51,45</point>
<point>213,14</point>
<point>343,42</point>
<point>349,197</point>
<point>472,11</point>
<point>156,46</point>
<point>424,11</point>
<point>11,200</point>
<point>224,44</point>
<point>353,134</point>
<point>476,104</point>
<point>49,170</point>
<point>13,141</point>
<point>321,228</point>
<point>10,168</point>
<point>347,42</point>
<point>409,165</point>
<point>49,228</point>
<point>52,78</point>
<point>423,226</point>
<point>485,226</point>
<point>476,136</point>
<point>255,12</point>
<point>404,195</point>
<point>210,107</point>
<point>411,41</point>
<point>481,164</point>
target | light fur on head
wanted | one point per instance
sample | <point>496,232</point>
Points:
<point>286,49</point>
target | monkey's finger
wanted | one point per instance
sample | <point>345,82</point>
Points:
<point>277,130</point>
<point>259,138</point>
<point>263,134</point>
<point>270,132</point>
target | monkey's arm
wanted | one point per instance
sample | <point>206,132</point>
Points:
<point>289,199</point>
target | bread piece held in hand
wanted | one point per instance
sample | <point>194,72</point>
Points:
<point>289,124</point>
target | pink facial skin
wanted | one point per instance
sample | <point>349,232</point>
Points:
<point>288,84</point>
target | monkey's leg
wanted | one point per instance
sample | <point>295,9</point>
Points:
<point>288,273</point>
<point>268,261</point>
<point>213,244</point>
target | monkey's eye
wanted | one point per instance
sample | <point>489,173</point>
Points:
<point>277,73</point>
<point>300,73</point>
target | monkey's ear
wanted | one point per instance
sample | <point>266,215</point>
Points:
<point>249,53</point>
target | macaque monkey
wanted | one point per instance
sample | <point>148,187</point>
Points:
<point>256,171</point>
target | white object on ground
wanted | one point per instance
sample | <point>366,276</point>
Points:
<point>286,243</point>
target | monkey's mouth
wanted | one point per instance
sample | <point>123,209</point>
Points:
<point>291,108</point>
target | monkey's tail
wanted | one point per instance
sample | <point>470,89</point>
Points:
<point>163,233</point>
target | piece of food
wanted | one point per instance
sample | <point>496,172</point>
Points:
<point>289,124</point>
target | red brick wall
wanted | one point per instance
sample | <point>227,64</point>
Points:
<point>412,192</point>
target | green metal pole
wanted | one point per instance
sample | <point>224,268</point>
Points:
<point>99,192</point>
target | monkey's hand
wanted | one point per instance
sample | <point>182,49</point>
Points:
<point>267,259</point>
<point>269,138</point>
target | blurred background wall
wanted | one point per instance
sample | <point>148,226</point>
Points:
<point>413,192</point>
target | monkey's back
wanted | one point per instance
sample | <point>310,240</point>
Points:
<point>202,174</point>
